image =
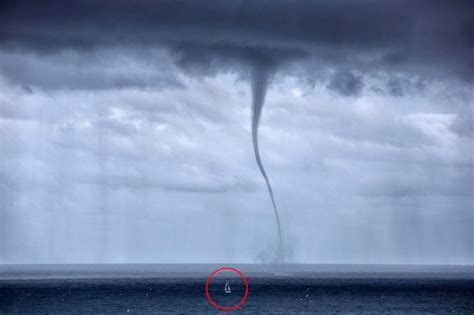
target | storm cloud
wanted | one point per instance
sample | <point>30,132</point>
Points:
<point>125,131</point>
<point>415,35</point>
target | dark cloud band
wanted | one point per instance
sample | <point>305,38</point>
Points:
<point>405,35</point>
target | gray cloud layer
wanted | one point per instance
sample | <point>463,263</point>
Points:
<point>407,35</point>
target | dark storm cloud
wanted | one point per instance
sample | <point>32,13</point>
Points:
<point>414,35</point>
<point>346,83</point>
<point>210,58</point>
<point>396,87</point>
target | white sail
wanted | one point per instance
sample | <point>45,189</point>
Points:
<point>227,288</point>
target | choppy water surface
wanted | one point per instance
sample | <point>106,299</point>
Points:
<point>286,289</point>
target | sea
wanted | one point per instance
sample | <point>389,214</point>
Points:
<point>273,289</point>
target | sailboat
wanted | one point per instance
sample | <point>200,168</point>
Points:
<point>227,288</point>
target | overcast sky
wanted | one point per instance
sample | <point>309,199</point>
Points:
<point>125,131</point>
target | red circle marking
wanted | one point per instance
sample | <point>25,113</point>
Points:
<point>227,308</point>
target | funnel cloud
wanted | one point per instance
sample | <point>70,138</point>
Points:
<point>259,88</point>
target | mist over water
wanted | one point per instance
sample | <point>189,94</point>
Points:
<point>259,89</point>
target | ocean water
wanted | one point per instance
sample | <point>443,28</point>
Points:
<point>158,289</point>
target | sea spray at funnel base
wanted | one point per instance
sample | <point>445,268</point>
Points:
<point>259,87</point>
